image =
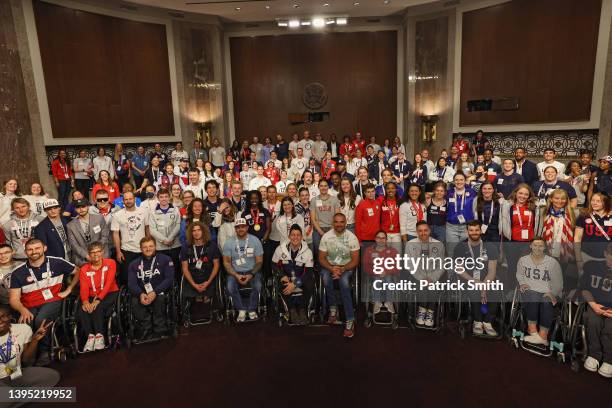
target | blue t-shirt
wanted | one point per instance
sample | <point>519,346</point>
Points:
<point>597,279</point>
<point>506,184</point>
<point>542,190</point>
<point>243,252</point>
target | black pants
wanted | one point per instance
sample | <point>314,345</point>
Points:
<point>599,336</point>
<point>477,313</point>
<point>49,312</point>
<point>122,279</point>
<point>82,185</point>
<point>307,289</point>
<point>151,316</point>
<point>269,247</point>
<point>514,250</point>
<point>174,255</point>
<point>93,323</point>
<point>123,179</point>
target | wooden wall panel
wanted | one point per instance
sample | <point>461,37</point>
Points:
<point>105,76</point>
<point>541,51</point>
<point>358,70</point>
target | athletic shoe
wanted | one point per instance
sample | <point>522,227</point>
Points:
<point>331,319</point>
<point>89,346</point>
<point>429,321</point>
<point>349,329</point>
<point>253,316</point>
<point>488,328</point>
<point>390,307</point>
<point>420,320</point>
<point>591,364</point>
<point>293,316</point>
<point>241,316</point>
<point>477,328</point>
<point>534,338</point>
<point>605,370</point>
<point>99,342</point>
<point>377,306</point>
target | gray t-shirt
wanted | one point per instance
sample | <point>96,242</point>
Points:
<point>243,252</point>
<point>325,209</point>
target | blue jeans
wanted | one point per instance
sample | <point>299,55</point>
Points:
<point>233,288</point>
<point>456,232</point>
<point>438,232</point>
<point>345,292</point>
<point>63,193</point>
<point>381,295</point>
<point>538,309</point>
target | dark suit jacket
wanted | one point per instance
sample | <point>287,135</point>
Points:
<point>530,172</point>
<point>46,232</point>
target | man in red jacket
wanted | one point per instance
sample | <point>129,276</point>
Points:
<point>359,143</point>
<point>367,215</point>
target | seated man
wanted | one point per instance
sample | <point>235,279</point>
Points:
<point>339,256</point>
<point>99,292</point>
<point>485,271</point>
<point>296,265</point>
<point>595,284</point>
<point>243,258</point>
<point>19,347</point>
<point>424,246</point>
<point>36,288</point>
<point>150,277</point>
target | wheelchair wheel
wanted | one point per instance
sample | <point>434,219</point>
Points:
<point>367,323</point>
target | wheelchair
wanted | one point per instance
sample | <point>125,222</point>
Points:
<point>69,316</point>
<point>412,309</point>
<point>386,317</point>
<point>60,339</point>
<point>129,324</point>
<point>577,339</point>
<point>245,292</point>
<point>558,332</point>
<point>324,308</point>
<point>208,311</point>
<point>280,306</point>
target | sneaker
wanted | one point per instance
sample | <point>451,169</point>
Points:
<point>534,338</point>
<point>293,316</point>
<point>488,328</point>
<point>253,316</point>
<point>241,316</point>
<point>377,306</point>
<point>89,345</point>
<point>591,364</point>
<point>390,307</point>
<point>605,370</point>
<point>477,328</point>
<point>429,321</point>
<point>99,342</point>
<point>331,319</point>
<point>420,320</point>
<point>349,329</point>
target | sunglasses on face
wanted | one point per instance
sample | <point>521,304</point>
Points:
<point>101,200</point>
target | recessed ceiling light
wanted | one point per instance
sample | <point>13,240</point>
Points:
<point>356,3</point>
<point>294,23</point>
<point>318,22</point>
<point>267,7</point>
<point>325,4</point>
<point>237,8</point>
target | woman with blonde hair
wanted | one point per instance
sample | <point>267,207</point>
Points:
<point>556,226</point>
<point>593,230</point>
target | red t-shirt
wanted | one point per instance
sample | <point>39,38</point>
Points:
<point>389,219</point>
<point>522,219</point>
<point>272,174</point>
<point>346,148</point>
<point>367,220</point>
<point>462,146</point>
<point>90,280</point>
<point>359,144</point>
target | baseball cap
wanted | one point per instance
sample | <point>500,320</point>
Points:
<point>50,203</point>
<point>341,162</point>
<point>239,221</point>
<point>81,203</point>
<point>607,158</point>
<point>184,159</point>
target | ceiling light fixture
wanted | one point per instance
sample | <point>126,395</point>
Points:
<point>341,21</point>
<point>296,6</point>
<point>237,8</point>
<point>325,4</point>
<point>283,23</point>
<point>305,23</point>
<point>294,23</point>
<point>330,21</point>
<point>356,3</point>
<point>318,22</point>
<point>386,2</point>
<point>267,7</point>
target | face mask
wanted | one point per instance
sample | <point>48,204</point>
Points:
<point>150,195</point>
<point>479,174</point>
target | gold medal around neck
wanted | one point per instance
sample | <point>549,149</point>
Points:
<point>8,370</point>
<point>257,227</point>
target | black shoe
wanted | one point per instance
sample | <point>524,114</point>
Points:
<point>294,318</point>
<point>144,336</point>
<point>303,316</point>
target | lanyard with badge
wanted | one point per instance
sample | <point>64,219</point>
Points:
<point>460,217</point>
<point>199,257</point>
<point>243,253</point>
<point>524,231</point>
<point>64,169</point>
<point>46,292</point>
<point>6,357</point>
<point>392,209</point>
<point>102,278</point>
<point>417,210</point>
<point>147,285</point>
<point>599,227</point>
<point>484,227</point>
<point>482,253</point>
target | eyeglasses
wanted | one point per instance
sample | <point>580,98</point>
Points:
<point>101,200</point>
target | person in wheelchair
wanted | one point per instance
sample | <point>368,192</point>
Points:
<point>296,274</point>
<point>338,257</point>
<point>150,278</point>
<point>199,263</point>
<point>36,289</point>
<point>596,285</point>
<point>99,292</point>
<point>243,259</point>
<point>540,283</point>
<point>381,298</point>
<point>483,311</point>
<point>424,247</point>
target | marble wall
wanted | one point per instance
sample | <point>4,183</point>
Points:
<point>18,158</point>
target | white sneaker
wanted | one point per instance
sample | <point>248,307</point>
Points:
<point>420,320</point>
<point>390,307</point>
<point>591,364</point>
<point>252,315</point>
<point>377,306</point>
<point>534,338</point>
<point>477,328</point>
<point>89,346</point>
<point>605,370</point>
<point>429,321</point>
<point>241,316</point>
<point>488,328</point>
<point>99,342</point>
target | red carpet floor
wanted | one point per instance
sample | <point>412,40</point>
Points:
<point>260,365</point>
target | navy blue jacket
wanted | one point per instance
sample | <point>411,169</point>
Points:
<point>46,232</point>
<point>529,173</point>
<point>160,275</point>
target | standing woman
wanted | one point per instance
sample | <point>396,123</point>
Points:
<point>557,226</point>
<point>517,221</point>
<point>224,221</point>
<point>83,170</point>
<point>303,209</point>
<point>386,147</point>
<point>257,217</point>
<point>464,165</point>
<point>105,183</point>
<point>176,196</point>
<point>436,212</point>
<point>187,198</point>
<point>348,202</point>
<point>441,172</point>
<point>398,143</point>
<point>486,209</point>
<point>122,165</point>
<point>235,151</point>
<point>593,231</point>
<point>102,162</point>
<point>411,211</point>
<point>36,198</point>
<point>195,212</point>
<point>282,224</point>
<point>63,176</point>
<point>390,215</point>
<point>460,209</point>
<point>578,180</point>
<point>10,190</point>
<point>292,192</point>
<point>208,172</point>
<point>479,177</point>
<point>418,175</point>
<point>226,186</point>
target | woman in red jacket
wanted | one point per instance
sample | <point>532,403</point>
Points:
<point>99,293</point>
<point>390,220</point>
<point>61,168</point>
<point>105,183</point>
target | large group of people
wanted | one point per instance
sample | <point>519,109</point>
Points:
<point>284,212</point>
